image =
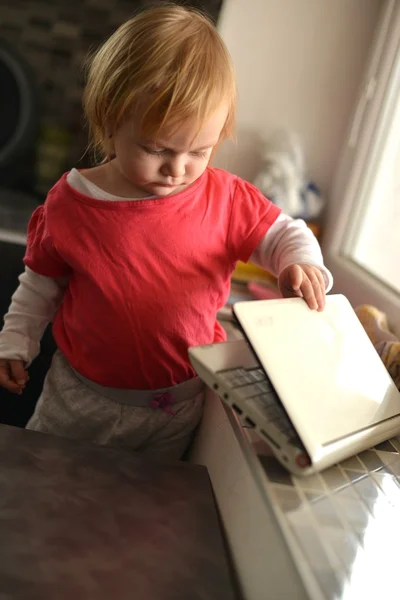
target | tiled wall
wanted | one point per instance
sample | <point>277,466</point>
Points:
<point>54,36</point>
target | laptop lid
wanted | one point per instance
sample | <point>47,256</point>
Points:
<point>323,366</point>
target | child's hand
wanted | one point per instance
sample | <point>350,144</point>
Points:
<point>304,281</point>
<point>13,376</point>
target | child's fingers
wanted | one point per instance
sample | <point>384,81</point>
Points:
<point>6,379</point>
<point>320,288</point>
<point>306,281</point>
<point>290,281</point>
<point>18,372</point>
<point>295,276</point>
<point>314,291</point>
<point>308,293</point>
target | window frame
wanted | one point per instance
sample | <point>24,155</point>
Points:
<point>351,279</point>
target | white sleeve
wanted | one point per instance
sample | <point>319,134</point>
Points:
<point>287,242</point>
<point>33,306</point>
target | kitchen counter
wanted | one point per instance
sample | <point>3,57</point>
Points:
<point>87,522</point>
<point>329,536</point>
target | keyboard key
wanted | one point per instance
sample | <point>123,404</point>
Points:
<point>246,378</point>
<point>265,386</point>
<point>283,424</point>
<point>271,413</point>
<point>257,374</point>
<point>231,374</point>
<point>269,399</point>
<point>258,406</point>
<point>274,412</point>
<point>247,391</point>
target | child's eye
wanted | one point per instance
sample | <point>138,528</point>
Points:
<point>154,152</point>
<point>199,154</point>
<point>162,152</point>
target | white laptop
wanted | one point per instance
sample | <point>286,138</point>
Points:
<point>310,383</point>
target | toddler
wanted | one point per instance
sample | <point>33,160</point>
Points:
<point>132,259</point>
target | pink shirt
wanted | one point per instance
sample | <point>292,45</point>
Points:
<point>146,277</point>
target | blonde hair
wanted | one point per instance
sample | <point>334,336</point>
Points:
<point>170,64</point>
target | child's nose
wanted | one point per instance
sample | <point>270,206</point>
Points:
<point>175,167</point>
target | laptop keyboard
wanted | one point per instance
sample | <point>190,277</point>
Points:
<point>256,390</point>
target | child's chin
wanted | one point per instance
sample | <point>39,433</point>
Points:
<point>161,190</point>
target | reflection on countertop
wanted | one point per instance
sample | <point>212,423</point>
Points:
<point>341,524</point>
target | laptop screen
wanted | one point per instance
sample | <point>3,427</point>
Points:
<point>323,366</point>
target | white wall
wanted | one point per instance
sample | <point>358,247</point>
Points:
<point>299,64</point>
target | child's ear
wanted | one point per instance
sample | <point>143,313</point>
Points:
<point>109,129</point>
<point>109,144</point>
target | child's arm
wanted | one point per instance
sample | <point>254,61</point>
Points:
<point>290,251</point>
<point>34,305</point>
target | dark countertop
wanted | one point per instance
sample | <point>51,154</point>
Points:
<point>83,522</point>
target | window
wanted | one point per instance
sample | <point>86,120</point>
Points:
<point>362,245</point>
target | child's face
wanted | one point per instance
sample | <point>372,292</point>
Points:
<point>171,165</point>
